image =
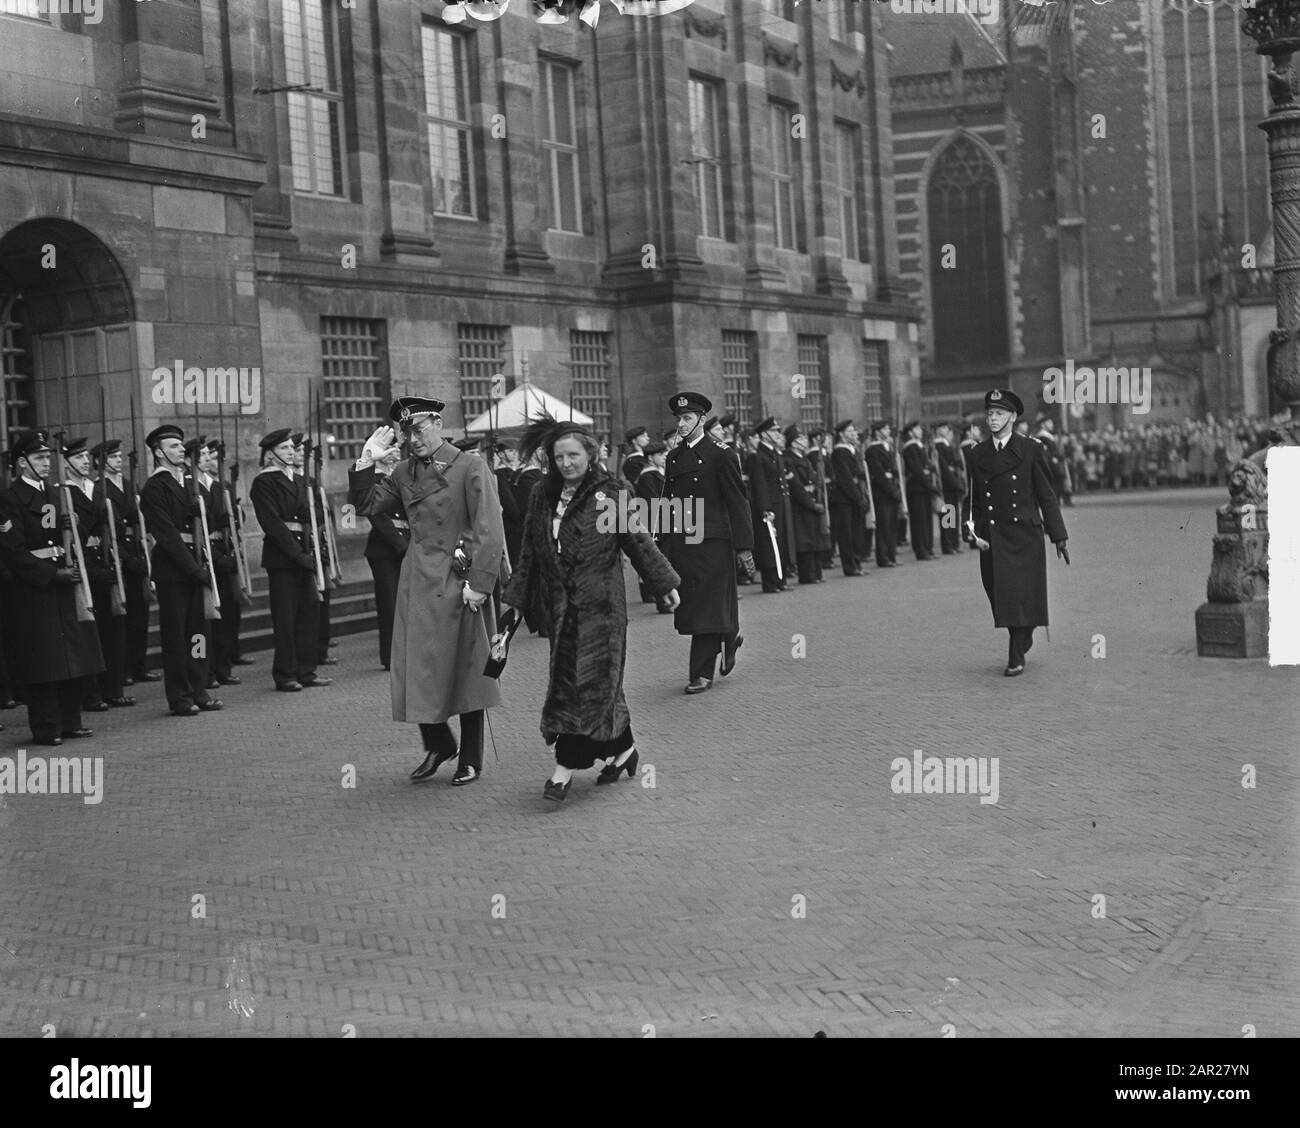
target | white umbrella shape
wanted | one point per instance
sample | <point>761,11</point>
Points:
<point>526,404</point>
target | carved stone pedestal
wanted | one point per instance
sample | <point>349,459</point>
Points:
<point>1234,621</point>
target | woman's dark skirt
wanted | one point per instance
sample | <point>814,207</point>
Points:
<point>581,752</point>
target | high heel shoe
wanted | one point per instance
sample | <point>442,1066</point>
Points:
<point>610,772</point>
<point>557,791</point>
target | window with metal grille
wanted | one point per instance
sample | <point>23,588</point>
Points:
<point>849,169</point>
<point>785,184</point>
<point>739,374</point>
<point>840,17</point>
<point>874,361</point>
<point>354,367</point>
<point>706,155</point>
<point>812,367</point>
<point>560,145</point>
<point>482,351</point>
<point>589,372</point>
<point>447,100</point>
<point>311,58</point>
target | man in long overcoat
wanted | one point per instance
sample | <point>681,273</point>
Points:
<point>704,476</point>
<point>848,497</point>
<point>1011,501</point>
<point>440,640</point>
<point>806,504</point>
<point>886,494</point>
<point>769,501</point>
<point>50,653</point>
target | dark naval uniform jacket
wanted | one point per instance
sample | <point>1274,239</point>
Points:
<point>280,503</point>
<point>169,515</point>
<point>1012,504</point>
<point>769,492</point>
<point>707,480</point>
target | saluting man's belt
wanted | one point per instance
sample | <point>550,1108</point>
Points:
<point>51,553</point>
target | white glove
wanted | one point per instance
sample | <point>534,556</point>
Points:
<point>377,446</point>
<point>473,599</point>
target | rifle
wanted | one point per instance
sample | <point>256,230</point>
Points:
<point>229,492</point>
<point>144,532</point>
<point>71,536</point>
<point>119,587</point>
<point>331,544</point>
<point>199,531</point>
<point>903,513</point>
<point>314,547</point>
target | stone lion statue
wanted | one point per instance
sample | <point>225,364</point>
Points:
<point>1247,485</point>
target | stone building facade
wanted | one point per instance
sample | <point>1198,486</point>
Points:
<point>1104,190</point>
<point>294,197</point>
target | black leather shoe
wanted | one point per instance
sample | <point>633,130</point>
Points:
<point>128,681</point>
<point>121,702</point>
<point>241,661</point>
<point>432,762</point>
<point>77,734</point>
<point>1015,671</point>
<point>96,707</point>
<point>211,705</point>
<point>52,741</point>
<point>230,679</point>
<point>557,792</point>
<point>10,704</point>
<point>729,655</point>
<point>213,683</point>
<point>699,685</point>
<point>317,683</point>
<point>466,774</point>
<point>186,711</point>
<point>290,687</point>
<point>148,676</point>
<point>610,772</point>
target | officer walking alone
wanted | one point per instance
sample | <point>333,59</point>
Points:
<point>1011,501</point>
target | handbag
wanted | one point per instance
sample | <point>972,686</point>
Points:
<point>501,649</point>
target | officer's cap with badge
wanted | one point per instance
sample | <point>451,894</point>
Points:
<point>74,447</point>
<point>407,411</point>
<point>154,438</point>
<point>101,451</point>
<point>690,401</point>
<point>1004,399</point>
<point>27,443</point>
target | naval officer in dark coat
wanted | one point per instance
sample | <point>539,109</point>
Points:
<point>1010,504</point>
<point>717,526</point>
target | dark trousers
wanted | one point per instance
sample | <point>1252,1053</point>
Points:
<point>225,631</point>
<point>921,523</point>
<point>843,520</point>
<point>181,624</point>
<point>1021,639</point>
<point>295,622</point>
<point>705,649</point>
<point>438,738</point>
<point>137,623</point>
<point>386,573</point>
<point>809,566</point>
<point>323,626</point>
<point>54,708</point>
<point>886,530</point>
<point>772,580</point>
<point>950,538</point>
<point>112,641</point>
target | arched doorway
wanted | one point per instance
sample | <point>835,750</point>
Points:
<point>66,316</point>
<point>968,288</point>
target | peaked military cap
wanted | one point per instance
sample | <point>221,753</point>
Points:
<point>74,446</point>
<point>166,431</point>
<point>274,438</point>
<point>101,451</point>
<point>636,432</point>
<point>1007,401</point>
<point>405,409</point>
<point>28,442</point>
<point>195,444</point>
<point>792,432</point>
<point>843,425</point>
<point>297,437</point>
<point>765,425</point>
<point>728,420</point>
<point>469,442</point>
<point>690,401</point>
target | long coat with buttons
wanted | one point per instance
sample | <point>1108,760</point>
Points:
<point>1012,502</point>
<point>440,646</point>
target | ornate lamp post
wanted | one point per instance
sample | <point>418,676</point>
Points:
<point>1275,27</point>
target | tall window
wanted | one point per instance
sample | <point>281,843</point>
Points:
<point>447,102</point>
<point>839,17</point>
<point>739,373</point>
<point>812,365</point>
<point>967,285</point>
<point>849,169</point>
<point>354,364</point>
<point>589,365</point>
<point>785,166</point>
<point>706,156</point>
<point>311,58</point>
<point>874,367</point>
<point>560,145</point>
<point>482,350</point>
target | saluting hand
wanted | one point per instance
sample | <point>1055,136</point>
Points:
<point>1062,551</point>
<point>378,444</point>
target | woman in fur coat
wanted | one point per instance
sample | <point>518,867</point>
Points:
<point>577,527</point>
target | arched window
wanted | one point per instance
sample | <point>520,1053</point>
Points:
<point>967,282</point>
